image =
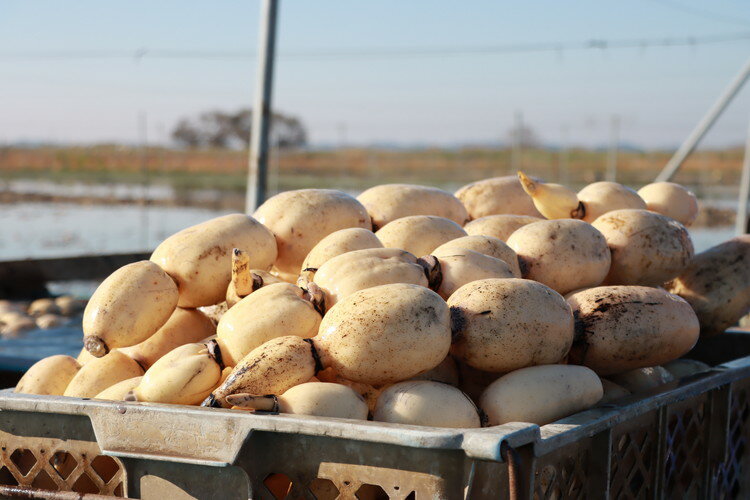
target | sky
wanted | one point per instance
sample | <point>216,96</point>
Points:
<point>385,72</point>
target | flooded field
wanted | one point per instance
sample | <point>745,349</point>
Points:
<point>38,230</point>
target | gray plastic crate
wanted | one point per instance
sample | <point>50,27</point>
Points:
<point>689,439</point>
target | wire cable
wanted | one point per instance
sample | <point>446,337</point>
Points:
<point>385,52</point>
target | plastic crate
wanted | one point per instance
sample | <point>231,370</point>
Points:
<point>689,439</point>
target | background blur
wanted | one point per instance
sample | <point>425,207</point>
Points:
<point>123,122</point>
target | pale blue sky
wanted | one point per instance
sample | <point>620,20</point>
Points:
<point>659,92</point>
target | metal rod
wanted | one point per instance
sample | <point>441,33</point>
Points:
<point>704,125</point>
<point>741,221</point>
<point>510,457</point>
<point>257,177</point>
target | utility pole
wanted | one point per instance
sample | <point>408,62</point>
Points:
<point>342,163</point>
<point>143,139</point>
<point>563,176</point>
<point>516,151</point>
<point>257,177</point>
<point>614,144</point>
<point>342,134</point>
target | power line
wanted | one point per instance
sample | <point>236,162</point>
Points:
<point>591,44</point>
<point>706,14</point>
<point>382,52</point>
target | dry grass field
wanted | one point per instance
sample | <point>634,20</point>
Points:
<point>353,169</point>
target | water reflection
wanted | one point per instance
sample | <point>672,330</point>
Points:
<point>38,230</point>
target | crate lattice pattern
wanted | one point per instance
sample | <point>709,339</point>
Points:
<point>632,465</point>
<point>686,451</point>
<point>563,477</point>
<point>280,486</point>
<point>59,465</point>
<point>729,475</point>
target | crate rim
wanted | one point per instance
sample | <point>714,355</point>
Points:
<point>589,422</point>
<point>232,427</point>
<point>483,443</point>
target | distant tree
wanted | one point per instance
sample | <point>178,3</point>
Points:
<point>239,125</point>
<point>287,131</point>
<point>186,134</point>
<point>217,129</point>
